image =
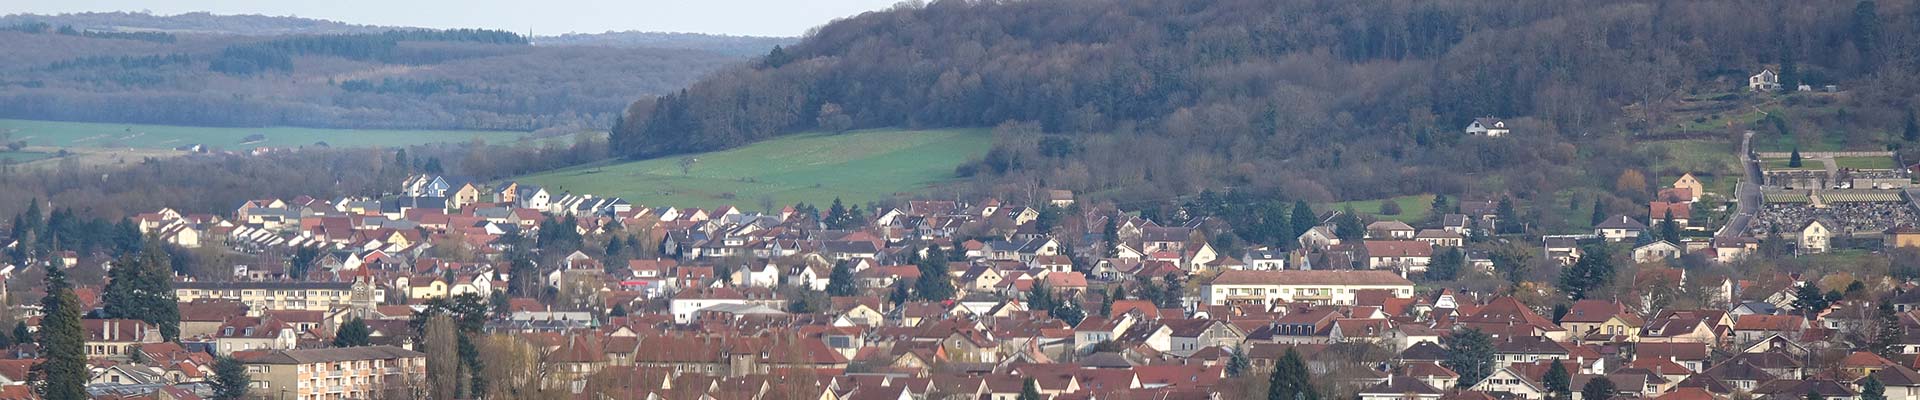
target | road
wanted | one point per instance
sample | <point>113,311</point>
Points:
<point>1748,192</point>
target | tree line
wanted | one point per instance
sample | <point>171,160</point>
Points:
<point>277,54</point>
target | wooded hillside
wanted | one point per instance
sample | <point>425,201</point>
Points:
<point>1177,95</point>
<point>101,71</point>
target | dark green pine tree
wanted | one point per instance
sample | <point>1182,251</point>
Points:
<point>1111,237</point>
<point>1348,226</point>
<point>1446,265</point>
<point>1558,381</point>
<point>1598,388</point>
<point>1594,270</point>
<point>1469,353</point>
<point>1029,390</point>
<point>1040,297</point>
<point>836,215</point>
<point>840,281</point>
<point>21,334</point>
<point>1872,389</point>
<point>63,341</point>
<point>142,288</point>
<point>1599,213</point>
<point>934,284</point>
<point>899,295</point>
<point>1302,217</point>
<point>1808,300</point>
<point>1238,364</point>
<point>354,333</point>
<point>1670,229</point>
<point>1793,160</point>
<point>1891,330</point>
<point>1289,380</point>
<point>230,379</point>
<point>1509,216</point>
<point>1912,130</point>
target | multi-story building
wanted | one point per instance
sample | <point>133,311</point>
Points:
<point>334,373</point>
<point>263,296</point>
<point>1335,287</point>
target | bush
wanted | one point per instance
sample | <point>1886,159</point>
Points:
<point>1390,208</point>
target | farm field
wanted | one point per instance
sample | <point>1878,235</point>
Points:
<point>59,134</point>
<point>858,166</point>
<point>21,156</point>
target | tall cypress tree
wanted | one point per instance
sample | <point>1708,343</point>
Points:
<point>63,341</point>
<point>1111,235</point>
<point>1872,389</point>
<point>1670,229</point>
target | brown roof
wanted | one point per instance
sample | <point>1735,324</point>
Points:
<point>1398,248</point>
<point>1318,277</point>
<point>1657,211</point>
<point>1777,323</point>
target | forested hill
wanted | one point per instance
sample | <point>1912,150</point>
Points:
<point>1182,94</point>
<point>201,70</point>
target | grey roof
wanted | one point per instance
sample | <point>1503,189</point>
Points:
<point>1621,222</point>
<point>336,354</point>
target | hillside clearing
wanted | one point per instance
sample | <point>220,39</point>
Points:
<point>1413,208</point>
<point>858,166</point>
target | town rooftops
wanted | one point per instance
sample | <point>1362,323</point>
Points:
<point>1324,277</point>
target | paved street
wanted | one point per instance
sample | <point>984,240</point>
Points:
<point>1748,192</point>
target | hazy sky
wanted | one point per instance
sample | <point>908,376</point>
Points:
<point>544,17</point>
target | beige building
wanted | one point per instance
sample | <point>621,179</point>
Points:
<point>1333,287</point>
<point>264,296</point>
<point>334,373</point>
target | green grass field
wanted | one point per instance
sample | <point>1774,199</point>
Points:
<point>858,166</point>
<point>1696,156</point>
<point>1412,208</point>
<point>1864,162</point>
<point>1781,164</point>
<point>106,135</point>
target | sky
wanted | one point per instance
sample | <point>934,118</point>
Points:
<point>543,17</point>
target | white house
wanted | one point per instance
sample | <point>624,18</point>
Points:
<point>1766,80</point>
<point>1816,236</point>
